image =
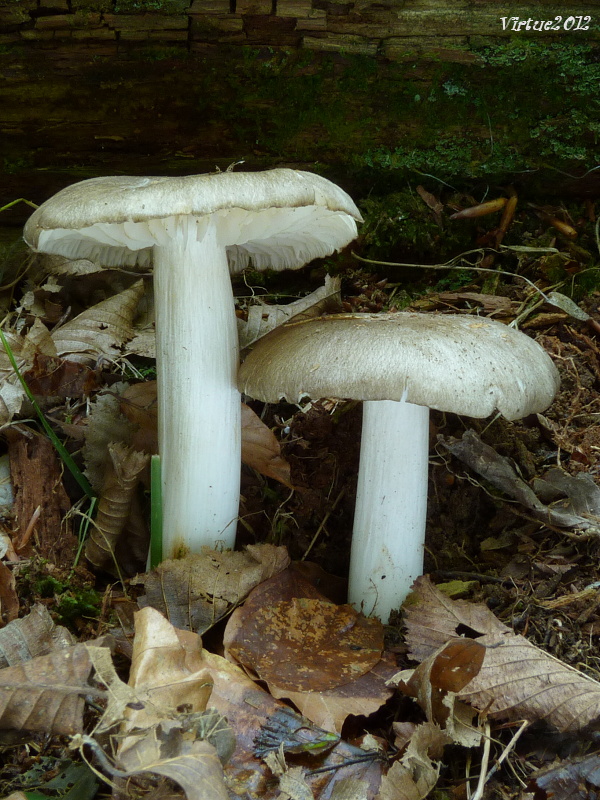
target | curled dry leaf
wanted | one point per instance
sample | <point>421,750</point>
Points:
<point>47,693</point>
<point>581,510</point>
<point>248,708</point>
<point>100,330</point>
<point>262,318</point>
<point>575,779</point>
<point>196,591</point>
<point>167,674</point>
<point>261,450</point>
<point>167,670</point>
<point>436,682</point>
<point>120,484</point>
<point>34,635</point>
<point>517,680</point>
<point>416,774</point>
<point>360,697</point>
<point>50,376</point>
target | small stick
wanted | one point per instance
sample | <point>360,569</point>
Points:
<point>20,544</point>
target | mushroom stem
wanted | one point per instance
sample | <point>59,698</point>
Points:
<point>198,402</point>
<point>391,506</point>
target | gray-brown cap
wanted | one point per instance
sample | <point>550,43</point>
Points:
<point>459,363</point>
<point>281,218</point>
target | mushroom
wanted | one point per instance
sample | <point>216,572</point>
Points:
<point>196,229</point>
<point>402,365</point>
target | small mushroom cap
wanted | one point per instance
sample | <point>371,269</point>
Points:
<point>463,364</point>
<point>281,218</point>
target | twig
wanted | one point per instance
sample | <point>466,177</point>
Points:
<point>20,544</point>
<point>485,760</point>
<point>483,778</point>
<point>323,523</point>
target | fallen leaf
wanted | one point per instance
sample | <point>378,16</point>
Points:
<point>436,682</point>
<point>50,376</point>
<point>361,697</point>
<point>100,330</point>
<point>573,779</point>
<point>327,708</point>
<point>581,510</point>
<point>31,636</point>
<point>114,506</point>
<point>517,680</point>
<point>416,774</point>
<point>307,645</point>
<point>167,671</point>
<point>196,591</point>
<point>262,318</point>
<point>261,450</point>
<point>47,693</point>
<point>248,708</point>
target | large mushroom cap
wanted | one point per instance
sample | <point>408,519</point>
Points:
<point>280,218</point>
<point>467,365</point>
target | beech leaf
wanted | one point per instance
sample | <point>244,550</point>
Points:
<point>196,591</point>
<point>47,693</point>
<point>517,680</point>
<point>100,330</point>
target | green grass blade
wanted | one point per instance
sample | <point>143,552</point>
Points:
<point>58,445</point>
<point>18,200</point>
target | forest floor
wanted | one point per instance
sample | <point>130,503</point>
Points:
<point>493,547</point>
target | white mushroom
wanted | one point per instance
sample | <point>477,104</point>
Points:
<point>196,229</point>
<point>402,365</point>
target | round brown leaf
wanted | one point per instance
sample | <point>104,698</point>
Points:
<point>308,645</point>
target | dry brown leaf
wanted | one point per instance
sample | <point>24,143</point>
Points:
<point>167,671</point>
<point>416,774</point>
<point>114,507</point>
<point>573,779</point>
<point>196,591</point>
<point>329,708</point>
<point>195,765</point>
<point>100,330</point>
<point>31,636</point>
<point>305,644</point>
<point>581,510</point>
<point>361,697</point>
<point>156,736</point>
<point>249,708</point>
<point>261,450</point>
<point>47,693</point>
<point>105,424</point>
<point>50,376</point>
<point>517,679</point>
<point>139,403</point>
<point>262,318</point>
<point>436,682</point>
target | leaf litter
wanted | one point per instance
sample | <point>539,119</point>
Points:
<point>228,736</point>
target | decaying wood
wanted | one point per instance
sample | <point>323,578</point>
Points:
<point>36,473</point>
